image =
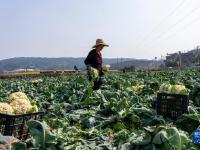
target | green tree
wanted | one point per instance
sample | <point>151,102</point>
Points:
<point>197,59</point>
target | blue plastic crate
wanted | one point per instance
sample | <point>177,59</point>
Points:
<point>196,137</point>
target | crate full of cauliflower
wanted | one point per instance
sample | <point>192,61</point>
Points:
<point>172,100</point>
<point>15,112</point>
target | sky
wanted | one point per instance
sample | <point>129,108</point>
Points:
<point>141,29</point>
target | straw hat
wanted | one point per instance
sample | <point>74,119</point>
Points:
<point>100,42</point>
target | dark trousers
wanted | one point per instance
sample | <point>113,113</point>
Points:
<point>97,84</point>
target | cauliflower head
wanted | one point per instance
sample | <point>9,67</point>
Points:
<point>106,68</point>
<point>179,89</point>
<point>174,89</point>
<point>21,106</point>
<point>37,81</point>
<point>17,95</point>
<point>94,73</point>
<point>136,88</point>
<point>165,88</point>
<point>6,108</point>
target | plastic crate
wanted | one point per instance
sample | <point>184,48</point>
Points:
<point>15,125</point>
<point>172,105</point>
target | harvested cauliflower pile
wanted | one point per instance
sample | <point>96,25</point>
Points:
<point>19,104</point>
<point>6,108</point>
<point>174,89</point>
<point>17,95</point>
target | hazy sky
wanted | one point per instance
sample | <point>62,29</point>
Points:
<point>69,28</point>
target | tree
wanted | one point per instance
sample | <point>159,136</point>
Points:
<point>197,59</point>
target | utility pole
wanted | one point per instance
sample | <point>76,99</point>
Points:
<point>155,62</point>
<point>117,63</point>
<point>180,61</point>
<point>163,61</point>
<point>121,62</point>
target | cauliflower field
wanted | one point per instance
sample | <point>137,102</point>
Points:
<point>119,116</point>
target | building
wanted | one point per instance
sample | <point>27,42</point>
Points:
<point>179,59</point>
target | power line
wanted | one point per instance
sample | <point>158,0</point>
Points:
<point>178,22</point>
<point>185,27</point>
<point>175,24</point>
<point>196,20</point>
<point>164,19</point>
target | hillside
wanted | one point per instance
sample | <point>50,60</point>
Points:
<point>137,63</point>
<point>64,63</point>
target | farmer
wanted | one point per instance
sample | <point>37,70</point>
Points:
<point>94,59</point>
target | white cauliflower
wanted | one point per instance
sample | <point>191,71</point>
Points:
<point>106,68</point>
<point>179,89</point>
<point>21,106</point>
<point>6,108</point>
<point>20,103</point>
<point>17,95</point>
<point>94,73</point>
<point>37,81</point>
<point>173,89</point>
<point>136,88</point>
<point>165,88</point>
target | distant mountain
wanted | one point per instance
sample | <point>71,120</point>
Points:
<point>64,63</point>
<point>137,63</point>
